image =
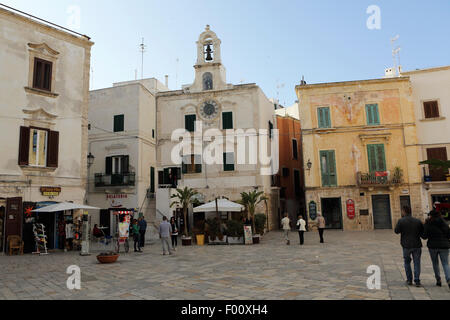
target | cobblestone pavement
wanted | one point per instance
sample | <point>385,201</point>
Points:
<point>270,270</point>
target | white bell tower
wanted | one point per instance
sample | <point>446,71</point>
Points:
<point>209,71</point>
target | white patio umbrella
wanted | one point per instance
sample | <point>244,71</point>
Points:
<point>64,206</point>
<point>222,205</point>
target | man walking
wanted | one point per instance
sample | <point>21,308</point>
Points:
<point>165,230</point>
<point>142,229</point>
<point>301,224</point>
<point>411,229</point>
<point>321,226</point>
<point>286,223</point>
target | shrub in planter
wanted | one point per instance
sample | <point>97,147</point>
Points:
<point>235,231</point>
<point>260,223</point>
<point>213,228</point>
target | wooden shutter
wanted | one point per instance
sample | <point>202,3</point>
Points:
<point>327,118</point>
<point>369,114</point>
<point>24,146</point>
<point>377,157</point>
<point>373,116</point>
<point>152,180</point>
<point>431,109</point>
<point>53,149</point>
<point>119,125</point>
<point>47,81</point>
<point>108,165</point>
<point>125,165</point>
<point>189,121</point>
<point>227,120</point>
<point>437,174</point>
<point>381,158</point>
<point>294,149</point>
<point>324,168</point>
<point>332,168</point>
<point>320,117</point>
<point>371,155</point>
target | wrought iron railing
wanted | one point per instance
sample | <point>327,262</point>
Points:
<point>377,179</point>
<point>115,180</point>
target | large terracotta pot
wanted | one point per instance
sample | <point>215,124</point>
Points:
<point>107,259</point>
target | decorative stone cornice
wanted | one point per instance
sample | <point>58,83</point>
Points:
<point>42,47</point>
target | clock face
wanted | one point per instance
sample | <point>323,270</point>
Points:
<point>209,110</point>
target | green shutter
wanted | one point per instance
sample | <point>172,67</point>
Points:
<point>152,180</point>
<point>227,120</point>
<point>373,117</point>
<point>376,156</point>
<point>332,168</point>
<point>381,159</point>
<point>323,115</point>
<point>371,155</point>
<point>119,123</point>
<point>189,121</point>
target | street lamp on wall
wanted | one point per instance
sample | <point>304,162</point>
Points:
<point>309,165</point>
<point>90,159</point>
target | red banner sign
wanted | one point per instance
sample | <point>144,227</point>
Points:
<point>381,174</point>
<point>351,209</point>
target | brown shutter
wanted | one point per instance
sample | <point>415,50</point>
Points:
<point>24,146</point>
<point>431,109</point>
<point>53,149</point>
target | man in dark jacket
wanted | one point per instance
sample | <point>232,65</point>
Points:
<point>142,229</point>
<point>411,229</point>
<point>438,234</point>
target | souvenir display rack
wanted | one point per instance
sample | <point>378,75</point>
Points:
<point>40,238</point>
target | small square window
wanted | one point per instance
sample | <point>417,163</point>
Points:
<point>431,109</point>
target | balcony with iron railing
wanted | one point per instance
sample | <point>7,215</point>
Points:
<point>378,179</point>
<point>115,180</point>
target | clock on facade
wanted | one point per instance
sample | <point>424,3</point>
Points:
<point>209,110</point>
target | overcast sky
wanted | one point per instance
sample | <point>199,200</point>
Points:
<point>269,42</point>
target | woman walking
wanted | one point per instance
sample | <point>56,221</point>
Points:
<point>174,234</point>
<point>437,232</point>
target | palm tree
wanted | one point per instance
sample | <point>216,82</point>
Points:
<point>250,200</point>
<point>184,199</point>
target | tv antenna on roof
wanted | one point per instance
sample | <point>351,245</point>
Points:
<point>395,55</point>
<point>142,47</point>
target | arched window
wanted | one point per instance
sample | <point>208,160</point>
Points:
<point>207,81</point>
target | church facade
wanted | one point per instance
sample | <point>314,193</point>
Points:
<point>229,146</point>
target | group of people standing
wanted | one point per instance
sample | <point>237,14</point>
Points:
<point>436,231</point>
<point>138,230</point>
<point>168,231</point>
<point>301,227</point>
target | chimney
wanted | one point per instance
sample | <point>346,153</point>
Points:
<point>167,81</point>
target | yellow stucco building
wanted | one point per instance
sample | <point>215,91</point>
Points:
<point>360,152</point>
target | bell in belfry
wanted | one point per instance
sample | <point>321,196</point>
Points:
<point>208,53</point>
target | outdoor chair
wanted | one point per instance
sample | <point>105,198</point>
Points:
<point>15,243</point>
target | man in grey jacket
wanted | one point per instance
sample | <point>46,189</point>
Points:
<point>165,230</point>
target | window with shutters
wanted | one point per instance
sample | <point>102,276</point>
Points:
<point>328,168</point>
<point>152,180</point>
<point>228,161</point>
<point>437,174</point>
<point>119,123</point>
<point>376,156</point>
<point>38,147</point>
<point>373,116</point>
<point>294,149</point>
<point>189,121</point>
<point>431,109</point>
<point>192,164</point>
<point>324,118</point>
<point>227,120</point>
<point>297,186</point>
<point>42,74</point>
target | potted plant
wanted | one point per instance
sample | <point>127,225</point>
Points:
<point>235,232</point>
<point>250,200</point>
<point>214,231</point>
<point>397,176</point>
<point>107,257</point>
<point>184,198</point>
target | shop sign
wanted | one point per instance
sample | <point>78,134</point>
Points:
<point>351,209</point>
<point>115,200</point>
<point>50,191</point>
<point>248,235</point>
<point>312,210</point>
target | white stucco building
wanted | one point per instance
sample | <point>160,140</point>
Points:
<point>214,104</point>
<point>122,138</point>
<point>44,87</point>
<point>431,94</point>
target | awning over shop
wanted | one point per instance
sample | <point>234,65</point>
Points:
<point>223,205</point>
<point>64,206</point>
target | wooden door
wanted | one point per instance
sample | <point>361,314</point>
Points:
<point>13,217</point>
